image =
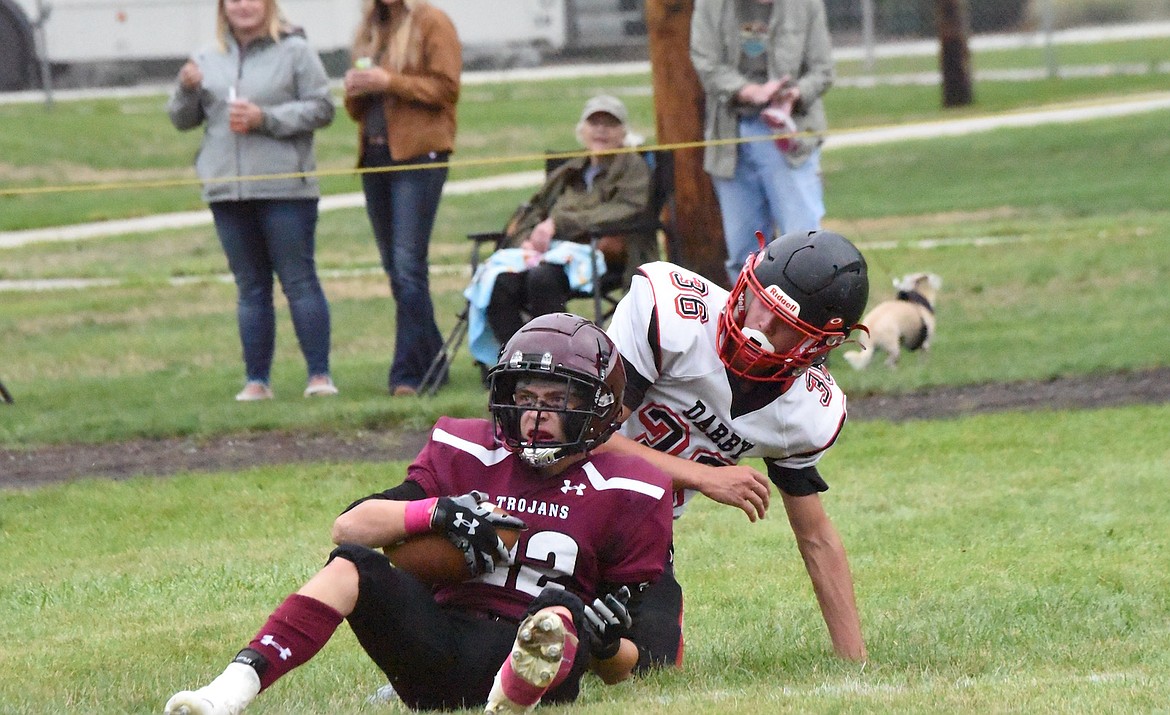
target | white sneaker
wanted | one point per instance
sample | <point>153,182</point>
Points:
<point>254,391</point>
<point>228,694</point>
<point>536,659</point>
<point>320,386</point>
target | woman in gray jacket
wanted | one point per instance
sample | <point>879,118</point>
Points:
<point>259,94</point>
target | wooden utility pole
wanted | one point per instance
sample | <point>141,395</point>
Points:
<point>954,55</point>
<point>678,107</point>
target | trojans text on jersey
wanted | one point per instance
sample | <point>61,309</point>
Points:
<point>516,507</point>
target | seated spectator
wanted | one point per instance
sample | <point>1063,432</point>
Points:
<point>545,255</point>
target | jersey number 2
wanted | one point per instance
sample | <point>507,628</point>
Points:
<point>555,552</point>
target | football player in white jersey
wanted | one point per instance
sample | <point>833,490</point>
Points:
<point>713,377</point>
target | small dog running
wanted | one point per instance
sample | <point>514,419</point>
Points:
<point>907,321</point>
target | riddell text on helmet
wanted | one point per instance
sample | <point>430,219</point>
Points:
<point>784,300</point>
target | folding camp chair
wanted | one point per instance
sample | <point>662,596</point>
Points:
<point>607,289</point>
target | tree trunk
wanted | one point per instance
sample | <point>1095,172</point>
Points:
<point>954,56</point>
<point>678,105</point>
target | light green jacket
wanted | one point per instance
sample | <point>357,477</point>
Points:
<point>287,80</point>
<point>799,47</point>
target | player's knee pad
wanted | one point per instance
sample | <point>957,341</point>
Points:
<point>657,629</point>
<point>551,596</point>
<point>366,560</point>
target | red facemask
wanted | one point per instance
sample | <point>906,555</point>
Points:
<point>746,357</point>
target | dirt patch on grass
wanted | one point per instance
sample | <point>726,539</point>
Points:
<point>119,460</point>
<point>169,456</point>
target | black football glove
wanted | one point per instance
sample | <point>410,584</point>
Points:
<point>472,528</point>
<point>610,619</point>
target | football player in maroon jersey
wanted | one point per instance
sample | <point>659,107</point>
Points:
<point>529,622</point>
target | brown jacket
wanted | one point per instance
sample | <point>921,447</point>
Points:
<point>420,102</point>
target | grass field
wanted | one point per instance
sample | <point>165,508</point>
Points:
<point>1004,563</point>
<point>1031,244</point>
<point>129,145</point>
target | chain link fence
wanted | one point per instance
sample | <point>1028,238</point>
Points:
<point>915,19</point>
<point>873,30</point>
<point>876,29</point>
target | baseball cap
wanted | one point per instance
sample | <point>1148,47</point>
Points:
<point>608,104</point>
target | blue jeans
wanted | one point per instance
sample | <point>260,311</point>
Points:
<point>401,206</point>
<point>766,194</point>
<point>275,235</point>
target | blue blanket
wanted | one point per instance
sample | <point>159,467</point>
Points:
<point>481,342</point>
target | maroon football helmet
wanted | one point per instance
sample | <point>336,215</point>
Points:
<point>815,282</point>
<point>559,347</point>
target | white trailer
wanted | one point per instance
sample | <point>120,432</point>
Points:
<point>63,35</point>
<point>67,34</point>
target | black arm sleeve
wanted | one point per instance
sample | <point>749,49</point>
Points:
<point>636,382</point>
<point>796,482</point>
<point>407,491</point>
<point>636,386</point>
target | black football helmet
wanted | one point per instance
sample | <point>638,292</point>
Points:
<point>559,346</point>
<point>816,282</point>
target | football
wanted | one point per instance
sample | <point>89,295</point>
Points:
<point>434,560</point>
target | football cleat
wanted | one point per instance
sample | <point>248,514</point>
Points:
<point>535,659</point>
<point>228,694</point>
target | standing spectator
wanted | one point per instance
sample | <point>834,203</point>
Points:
<point>714,377</point>
<point>603,191</point>
<point>764,66</point>
<point>529,621</point>
<point>402,93</point>
<point>260,94</point>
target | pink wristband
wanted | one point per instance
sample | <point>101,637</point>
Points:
<point>417,518</point>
